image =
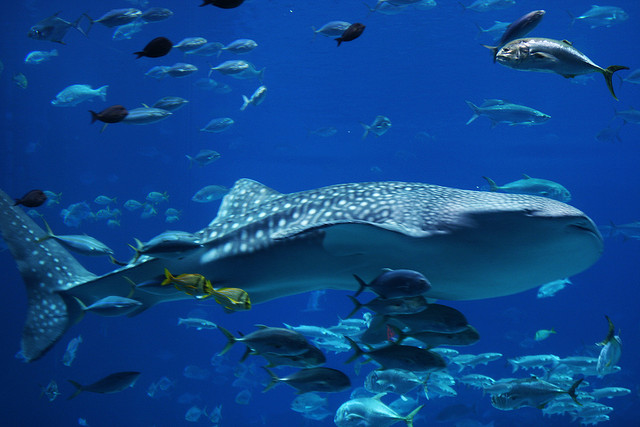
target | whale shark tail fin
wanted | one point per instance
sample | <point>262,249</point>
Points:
<point>47,270</point>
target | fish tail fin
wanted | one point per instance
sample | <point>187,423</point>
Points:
<point>140,54</point>
<point>480,30</point>
<point>463,6</point>
<point>514,365</point>
<point>409,418</point>
<point>261,75</point>
<point>475,109</point>
<point>492,185</point>
<point>362,284</point>
<point>611,333</point>
<point>47,270</point>
<point>231,340</point>
<point>608,76</point>
<point>94,116</point>
<point>79,389</point>
<point>274,380</point>
<point>339,40</point>
<point>315,33</point>
<point>245,103</point>
<point>102,92</point>
<point>367,128</point>
<point>573,18</point>
<point>572,391</point>
<point>91,22</point>
<point>354,347</point>
<point>356,303</point>
<point>493,49</point>
<point>168,277</point>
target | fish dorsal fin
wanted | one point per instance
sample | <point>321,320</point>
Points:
<point>567,42</point>
<point>525,176</point>
<point>245,195</point>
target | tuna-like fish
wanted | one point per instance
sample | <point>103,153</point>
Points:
<point>317,239</point>
<point>533,186</point>
<point>145,115</point>
<point>112,383</point>
<point>552,56</point>
<point>499,111</point>
<point>602,16</point>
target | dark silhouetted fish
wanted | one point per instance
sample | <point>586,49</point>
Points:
<point>156,48</point>
<point>321,379</point>
<point>396,284</point>
<point>353,32</point>
<point>53,29</point>
<point>32,199</point>
<point>517,29</point>
<point>223,4</point>
<point>113,114</point>
<point>112,383</point>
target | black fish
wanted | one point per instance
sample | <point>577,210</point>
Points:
<point>32,199</point>
<point>53,29</point>
<point>112,383</point>
<point>518,29</point>
<point>223,4</point>
<point>351,33</point>
<point>396,284</point>
<point>326,380</point>
<point>156,48</point>
<point>113,114</point>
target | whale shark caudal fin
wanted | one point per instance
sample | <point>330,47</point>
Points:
<point>47,269</point>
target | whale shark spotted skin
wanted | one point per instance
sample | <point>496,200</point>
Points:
<point>469,244</point>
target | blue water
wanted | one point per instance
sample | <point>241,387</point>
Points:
<point>417,68</point>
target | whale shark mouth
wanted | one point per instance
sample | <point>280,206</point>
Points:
<point>469,244</point>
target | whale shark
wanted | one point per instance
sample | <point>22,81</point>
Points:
<point>469,244</point>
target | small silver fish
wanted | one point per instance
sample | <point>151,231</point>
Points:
<point>379,127</point>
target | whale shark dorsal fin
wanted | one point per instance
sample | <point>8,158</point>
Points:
<point>245,195</point>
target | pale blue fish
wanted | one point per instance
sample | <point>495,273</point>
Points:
<point>218,125</point>
<point>112,306</point>
<point>241,46</point>
<point>81,243</point>
<point>168,245</point>
<point>181,69</point>
<point>72,351</point>
<point>316,239</point>
<point>156,14</point>
<point>533,186</point>
<point>170,103</point>
<point>75,94</point>
<point>157,72</point>
<point>230,67</point>
<point>145,116</point>
<point>332,29</point>
<point>256,98</point>
<point>203,158</point>
<point>210,193</point>
<point>500,111</point>
<point>40,56</point>
<point>610,352</point>
<point>132,205</point>
<point>116,17</point>
<point>207,49</point>
<point>125,32</point>
<point>190,43</point>
<point>602,16</point>
<point>488,5</point>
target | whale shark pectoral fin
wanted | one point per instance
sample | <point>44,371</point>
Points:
<point>47,270</point>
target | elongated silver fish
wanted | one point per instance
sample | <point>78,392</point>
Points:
<point>471,245</point>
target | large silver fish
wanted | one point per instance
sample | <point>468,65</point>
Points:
<point>469,244</point>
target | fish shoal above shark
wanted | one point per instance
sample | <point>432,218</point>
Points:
<point>469,244</point>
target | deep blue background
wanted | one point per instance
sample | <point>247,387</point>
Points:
<point>416,68</point>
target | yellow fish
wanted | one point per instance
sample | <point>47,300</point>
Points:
<point>234,299</point>
<point>191,284</point>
